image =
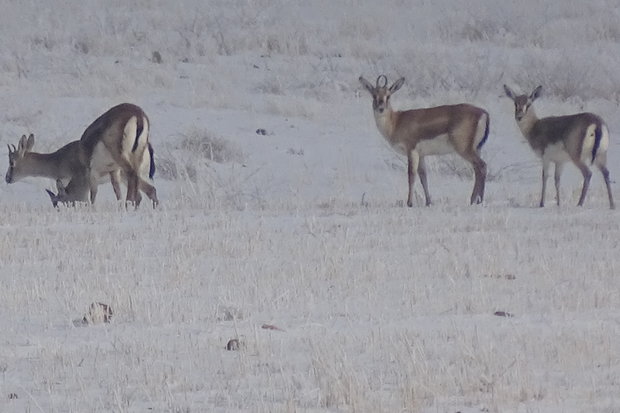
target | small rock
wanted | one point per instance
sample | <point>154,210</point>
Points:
<point>98,313</point>
<point>271,327</point>
<point>233,345</point>
<point>503,314</point>
<point>261,131</point>
<point>156,57</point>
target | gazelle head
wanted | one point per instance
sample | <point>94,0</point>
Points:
<point>381,93</point>
<point>522,102</point>
<point>16,157</point>
<point>61,196</point>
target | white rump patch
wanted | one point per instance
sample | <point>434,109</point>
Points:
<point>145,165</point>
<point>129,137</point>
<point>129,140</point>
<point>604,140</point>
<point>480,130</point>
<point>588,143</point>
<point>129,134</point>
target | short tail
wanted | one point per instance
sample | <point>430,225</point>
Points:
<point>486,133</point>
<point>139,130</point>
<point>151,160</point>
<point>598,134</point>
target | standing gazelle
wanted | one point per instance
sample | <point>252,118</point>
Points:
<point>439,130</point>
<point>582,138</point>
<point>115,143</point>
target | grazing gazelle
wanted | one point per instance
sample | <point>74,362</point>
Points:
<point>66,162</point>
<point>439,130</point>
<point>115,143</point>
<point>582,138</point>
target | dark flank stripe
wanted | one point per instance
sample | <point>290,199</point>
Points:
<point>139,129</point>
<point>598,134</point>
<point>486,133</point>
<point>152,161</point>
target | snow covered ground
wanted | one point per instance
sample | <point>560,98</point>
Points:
<point>376,307</point>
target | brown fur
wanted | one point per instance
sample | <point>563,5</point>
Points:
<point>128,158</point>
<point>406,130</point>
<point>565,132</point>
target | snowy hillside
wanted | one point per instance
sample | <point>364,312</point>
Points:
<point>281,222</point>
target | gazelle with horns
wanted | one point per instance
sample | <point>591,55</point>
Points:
<point>582,138</point>
<point>116,143</point>
<point>417,133</point>
<point>66,162</point>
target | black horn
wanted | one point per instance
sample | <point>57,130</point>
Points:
<point>384,77</point>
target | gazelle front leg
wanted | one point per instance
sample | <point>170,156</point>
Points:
<point>413,161</point>
<point>93,183</point>
<point>423,180</point>
<point>115,180</point>
<point>558,173</point>
<point>545,172</point>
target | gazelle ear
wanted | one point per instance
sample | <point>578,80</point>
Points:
<point>55,199</point>
<point>22,146</point>
<point>62,190</point>
<point>61,196</point>
<point>369,87</point>
<point>397,85</point>
<point>30,143</point>
<point>509,92</point>
<point>536,93</point>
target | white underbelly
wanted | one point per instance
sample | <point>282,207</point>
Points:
<point>439,145</point>
<point>556,152</point>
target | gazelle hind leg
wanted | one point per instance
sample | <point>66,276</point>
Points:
<point>601,163</point>
<point>150,191</point>
<point>587,174</point>
<point>545,173</point>
<point>132,188</point>
<point>480,176</point>
<point>605,173</point>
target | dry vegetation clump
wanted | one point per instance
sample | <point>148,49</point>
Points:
<point>213,148</point>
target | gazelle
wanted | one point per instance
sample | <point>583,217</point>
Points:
<point>439,130</point>
<point>582,138</point>
<point>115,143</point>
<point>66,162</point>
